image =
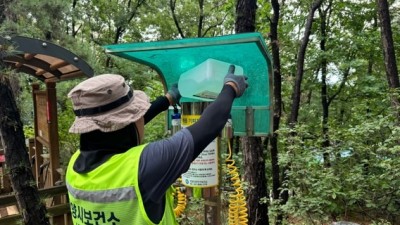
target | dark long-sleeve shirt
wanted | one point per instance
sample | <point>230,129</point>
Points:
<point>162,162</point>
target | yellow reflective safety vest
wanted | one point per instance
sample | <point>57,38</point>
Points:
<point>110,195</point>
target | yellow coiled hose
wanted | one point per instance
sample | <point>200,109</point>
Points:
<point>237,200</point>
<point>181,201</point>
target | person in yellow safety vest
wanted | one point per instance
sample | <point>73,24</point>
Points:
<point>114,178</point>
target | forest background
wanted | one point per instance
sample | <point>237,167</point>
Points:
<point>334,154</point>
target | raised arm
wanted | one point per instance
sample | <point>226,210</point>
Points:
<point>162,103</point>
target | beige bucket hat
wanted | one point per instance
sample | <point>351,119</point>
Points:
<point>107,103</point>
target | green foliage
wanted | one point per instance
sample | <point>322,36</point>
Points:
<point>193,214</point>
<point>217,19</point>
<point>29,132</point>
<point>363,131</point>
<point>363,177</point>
<point>156,128</point>
<point>69,143</point>
<point>29,21</point>
<point>381,222</point>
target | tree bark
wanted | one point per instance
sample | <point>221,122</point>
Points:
<point>324,87</point>
<point>201,18</point>
<point>245,16</point>
<point>254,162</point>
<point>294,113</point>
<point>17,160</point>
<point>254,176</point>
<point>276,185</point>
<point>388,51</point>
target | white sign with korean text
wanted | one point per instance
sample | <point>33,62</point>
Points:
<point>203,172</point>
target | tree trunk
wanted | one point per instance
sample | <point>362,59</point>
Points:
<point>254,176</point>
<point>276,185</point>
<point>324,88</point>
<point>172,6</point>
<point>17,160</point>
<point>388,51</point>
<point>254,162</point>
<point>292,120</point>
<point>245,16</point>
<point>300,64</point>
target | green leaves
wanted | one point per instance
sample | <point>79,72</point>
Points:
<point>362,129</point>
<point>367,176</point>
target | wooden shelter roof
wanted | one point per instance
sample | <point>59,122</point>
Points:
<point>43,60</point>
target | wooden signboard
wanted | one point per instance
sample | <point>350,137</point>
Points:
<point>42,123</point>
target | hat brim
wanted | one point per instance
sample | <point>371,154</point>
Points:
<point>115,119</point>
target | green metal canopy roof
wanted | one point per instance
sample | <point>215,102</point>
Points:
<point>251,113</point>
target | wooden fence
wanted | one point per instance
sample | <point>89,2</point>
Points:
<point>58,214</point>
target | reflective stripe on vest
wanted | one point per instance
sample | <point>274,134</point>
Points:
<point>103,196</point>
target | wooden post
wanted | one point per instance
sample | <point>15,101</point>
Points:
<point>30,144</point>
<point>211,195</point>
<point>38,145</point>
<point>53,132</point>
<point>54,149</point>
<point>46,134</point>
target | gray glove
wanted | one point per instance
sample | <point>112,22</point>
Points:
<point>239,81</point>
<point>174,92</point>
